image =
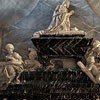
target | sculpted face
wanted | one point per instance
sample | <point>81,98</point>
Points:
<point>32,56</point>
<point>66,3</point>
<point>9,48</point>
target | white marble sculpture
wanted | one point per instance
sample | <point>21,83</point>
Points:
<point>11,68</point>
<point>61,18</point>
<point>93,68</point>
<point>32,64</point>
<point>60,24</point>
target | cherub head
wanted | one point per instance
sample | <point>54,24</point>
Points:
<point>32,53</point>
<point>10,48</point>
<point>96,44</point>
<point>66,3</point>
<point>96,47</point>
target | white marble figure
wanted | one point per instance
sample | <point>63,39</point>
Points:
<point>11,68</point>
<point>31,63</point>
<point>91,64</point>
<point>60,24</point>
<point>61,18</point>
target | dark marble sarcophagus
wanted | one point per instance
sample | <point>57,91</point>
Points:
<point>63,47</point>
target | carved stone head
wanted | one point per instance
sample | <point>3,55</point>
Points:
<point>10,48</point>
<point>32,53</point>
<point>66,3</point>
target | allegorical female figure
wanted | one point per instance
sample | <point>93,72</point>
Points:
<point>12,66</point>
<point>60,20</point>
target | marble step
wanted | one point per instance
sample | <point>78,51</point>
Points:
<point>52,85</point>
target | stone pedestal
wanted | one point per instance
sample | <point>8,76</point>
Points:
<point>64,85</point>
<point>61,46</point>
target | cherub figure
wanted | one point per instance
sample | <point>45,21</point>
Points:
<point>92,67</point>
<point>31,63</point>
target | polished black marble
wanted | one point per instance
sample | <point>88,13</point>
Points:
<point>53,85</point>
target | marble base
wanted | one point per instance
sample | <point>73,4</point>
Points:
<point>58,85</point>
<point>75,33</point>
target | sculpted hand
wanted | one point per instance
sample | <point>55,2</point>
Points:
<point>72,12</point>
